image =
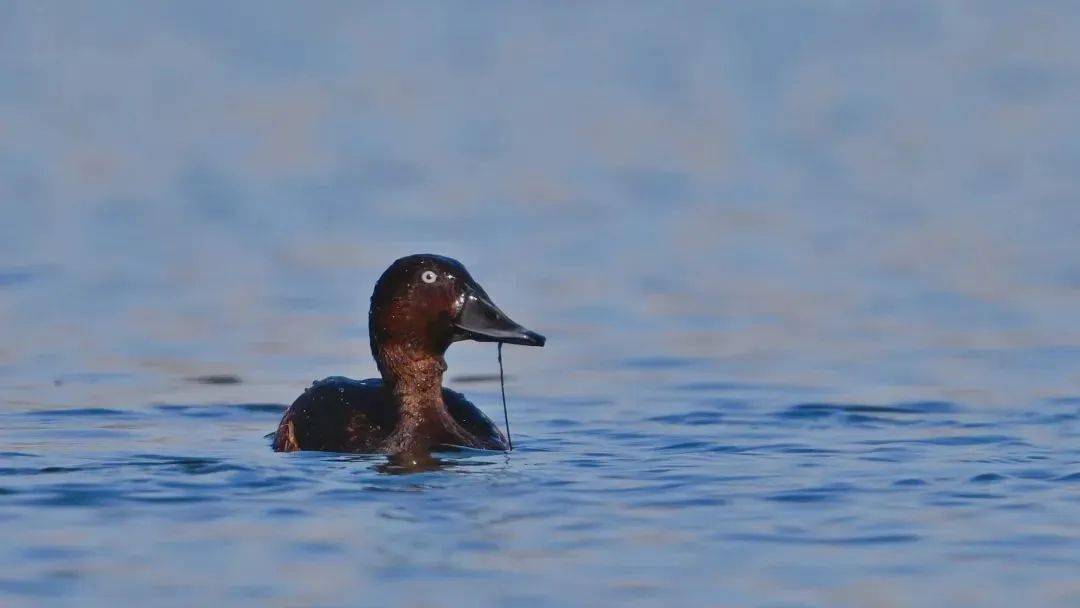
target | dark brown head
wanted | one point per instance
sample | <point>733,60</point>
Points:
<point>425,302</point>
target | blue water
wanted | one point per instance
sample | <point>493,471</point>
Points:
<point>809,274</point>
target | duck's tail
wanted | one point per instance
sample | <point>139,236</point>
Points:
<point>285,438</point>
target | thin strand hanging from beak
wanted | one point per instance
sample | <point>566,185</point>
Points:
<point>502,387</point>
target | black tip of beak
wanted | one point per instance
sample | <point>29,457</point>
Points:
<point>531,338</point>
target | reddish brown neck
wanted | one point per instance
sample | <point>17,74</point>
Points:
<point>413,378</point>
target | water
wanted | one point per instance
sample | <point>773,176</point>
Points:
<point>808,272</point>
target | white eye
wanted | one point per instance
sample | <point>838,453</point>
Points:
<point>428,276</point>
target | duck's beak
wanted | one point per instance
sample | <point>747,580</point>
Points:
<point>479,319</point>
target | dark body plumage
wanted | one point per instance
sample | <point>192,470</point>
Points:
<point>345,415</point>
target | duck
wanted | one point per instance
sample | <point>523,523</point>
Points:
<point>420,305</point>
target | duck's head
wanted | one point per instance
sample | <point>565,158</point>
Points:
<point>426,302</point>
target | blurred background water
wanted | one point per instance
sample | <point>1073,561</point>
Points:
<point>809,273</point>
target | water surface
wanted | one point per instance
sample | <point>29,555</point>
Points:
<point>808,271</point>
